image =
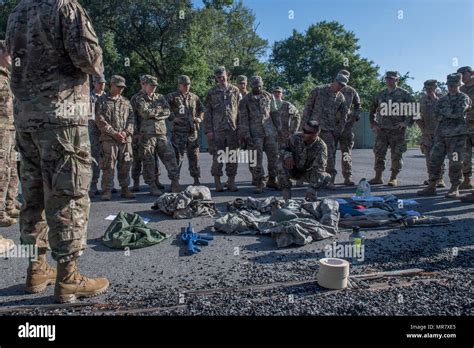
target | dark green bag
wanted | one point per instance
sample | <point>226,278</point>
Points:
<point>129,230</point>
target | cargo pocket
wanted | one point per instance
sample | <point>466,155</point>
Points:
<point>73,172</point>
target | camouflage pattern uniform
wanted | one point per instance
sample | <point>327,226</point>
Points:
<point>330,110</point>
<point>221,120</point>
<point>115,115</point>
<point>450,137</point>
<point>310,163</point>
<point>8,169</point>
<point>389,135</point>
<point>467,164</point>
<point>52,110</point>
<point>288,116</point>
<point>94,138</point>
<point>428,123</point>
<point>260,126</point>
<point>185,110</point>
<point>153,112</point>
<point>346,140</point>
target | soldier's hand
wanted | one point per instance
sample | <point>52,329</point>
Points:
<point>119,137</point>
<point>289,163</point>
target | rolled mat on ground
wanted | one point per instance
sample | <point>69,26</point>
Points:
<point>129,231</point>
<point>294,222</point>
<point>194,201</point>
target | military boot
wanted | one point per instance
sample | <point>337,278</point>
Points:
<point>196,181</point>
<point>12,212</point>
<point>429,190</point>
<point>440,183</point>
<point>259,187</point>
<point>348,181</point>
<point>217,182</point>
<point>106,195</point>
<point>377,180</point>
<point>114,190</point>
<point>39,275</point>
<point>5,220</point>
<point>155,191</point>
<point>286,193</point>
<point>272,183</point>
<point>175,188</point>
<point>466,184</point>
<point>136,186</point>
<point>93,191</point>
<point>159,184</point>
<point>231,184</point>
<point>393,180</point>
<point>70,284</point>
<point>126,193</point>
<point>453,191</point>
<point>468,198</point>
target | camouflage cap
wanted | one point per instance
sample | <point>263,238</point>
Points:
<point>454,79</point>
<point>241,78</point>
<point>256,81</point>
<point>118,81</point>
<point>342,79</point>
<point>219,71</point>
<point>464,69</point>
<point>98,79</point>
<point>345,72</point>
<point>278,89</point>
<point>428,83</point>
<point>143,78</point>
<point>151,80</point>
<point>392,75</point>
<point>184,80</point>
<point>312,126</point>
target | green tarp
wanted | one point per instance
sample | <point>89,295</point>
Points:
<point>129,231</point>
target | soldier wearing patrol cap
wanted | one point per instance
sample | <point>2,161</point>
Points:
<point>258,129</point>
<point>187,115</point>
<point>221,122</point>
<point>327,105</point>
<point>115,120</point>
<point>428,123</point>
<point>242,84</point>
<point>450,138</point>
<point>389,128</point>
<point>468,89</point>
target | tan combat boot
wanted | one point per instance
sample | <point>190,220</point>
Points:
<point>348,181</point>
<point>259,187</point>
<point>70,284</point>
<point>430,190</point>
<point>272,183</point>
<point>466,184</point>
<point>393,180</point>
<point>377,180</point>
<point>196,181</point>
<point>39,275</point>
<point>126,193</point>
<point>286,193</point>
<point>440,183</point>
<point>155,191</point>
<point>106,196</point>
<point>5,220</point>
<point>175,188</point>
<point>453,191</point>
<point>465,199</point>
<point>231,184</point>
<point>217,182</point>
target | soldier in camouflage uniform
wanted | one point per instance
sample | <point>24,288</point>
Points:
<point>8,171</point>
<point>468,89</point>
<point>115,119</point>
<point>327,105</point>
<point>304,157</point>
<point>187,115</point>
<point>428,123</point>
<point>450,138</point>
<point>153,110</point>
<point>287,114</point>
<point>137,161</point>
<point>389,122</point>
<point>221,122</point>
<point>258,127</point>
<point>94,133</point>
<point>346,140</point>
<point>52,110</point>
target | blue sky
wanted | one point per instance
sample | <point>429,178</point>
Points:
<point>430,38</point>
